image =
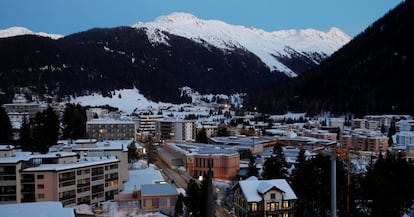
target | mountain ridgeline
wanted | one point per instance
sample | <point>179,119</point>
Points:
<point>372,74</point>
<point>101,60</point>
<point>159,58</point>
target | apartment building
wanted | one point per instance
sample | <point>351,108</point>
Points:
<point>20,107</point>
<point>147,124</point>
<point>57,176</point>
<point>103,149</point>
<point>405,138</point>
<point>176,130</point>
<point>267,198</point>
<point>111,129</point>
<point>365,140</point>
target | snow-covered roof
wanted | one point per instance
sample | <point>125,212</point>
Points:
<point>141,177</point>
<point>6,147</point>
<point>110,121</point>
<point>103,145</point>
<point>82,163</point>
<point>253,188</point>
<point>26,156</point>
<point>37,209</point>
<point>158,189</point>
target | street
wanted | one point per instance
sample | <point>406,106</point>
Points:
<point>181,179</point>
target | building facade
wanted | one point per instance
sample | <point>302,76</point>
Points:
<point>176,130</point>
<point>111,129</point>
<point>57,176</point>
<point>267,198</point>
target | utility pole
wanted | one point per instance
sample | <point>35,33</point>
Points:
<point>333,185</point>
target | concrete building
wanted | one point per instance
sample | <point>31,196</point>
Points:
<point>196,158</point>
<point>147,124</point>
<point>111,129</point>
<point>176,130</point>
<point>57,176</point>
<point>93,148</point>
<point>405,138</point>
<point>358,123</point>
<point>265,198</point>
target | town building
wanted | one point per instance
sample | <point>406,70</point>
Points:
<point>176,130</point>
<point>253,197</point>
<point>111,129</point>
<point>159,197</point>
<point>103,149</point>
<point>196,159</point>
<point>57,176</point>
<point>405,138</point>
<point>39,209</point>
<point>147,125</point>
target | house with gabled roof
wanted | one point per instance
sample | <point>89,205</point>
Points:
<point>270,198</point>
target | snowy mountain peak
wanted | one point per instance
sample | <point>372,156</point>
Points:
<point>270,47</point>
<point>16,31</point>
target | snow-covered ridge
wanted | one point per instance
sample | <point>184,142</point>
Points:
<point>263,44</point>
<point>16,31</point>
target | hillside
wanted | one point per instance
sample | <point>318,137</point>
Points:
<point>158,58</point>
<point>370,75</point>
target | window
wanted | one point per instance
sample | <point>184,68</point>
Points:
<point>272,196</point>
<point>40,186</point>
<point>271,206</point>
<point>253,207</point>
<point>285,214</point>
<point>40,195</point>
<point>40,176</point>
<point>285,204</point>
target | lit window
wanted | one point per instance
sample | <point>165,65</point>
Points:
<point>273,206</point>
<point>285,214</point>
<point>254,207</point>
<point>285,204</point>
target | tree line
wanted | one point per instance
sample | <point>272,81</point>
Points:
<point>42,131</point>
<point>384,190</point>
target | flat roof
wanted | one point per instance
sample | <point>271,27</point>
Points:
<point>84,162</point>
<point>110,121</point>
<point>139,177</point>
<point>158,189</point>
<point>36,209</point>
<point>26,156</point>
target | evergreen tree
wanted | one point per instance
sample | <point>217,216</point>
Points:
<point>25,140</point>
<point>275,166</point>
<point>74,121</point>
<point>202,136</point>
<point>132,152</point>
<point>391,131</point>
<point>387,188</point>
<point>194,197</point>
<point>39,134</point>
<point>179,206</point>
<point>51,126</point>
<point>5,127</point>
<point>252,169</point>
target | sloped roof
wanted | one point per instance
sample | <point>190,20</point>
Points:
<point>253,188</point>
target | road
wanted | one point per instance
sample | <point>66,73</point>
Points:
<point>181,179</point>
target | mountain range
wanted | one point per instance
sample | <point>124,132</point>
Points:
<point>159,57</point>
<point>369,75</point>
